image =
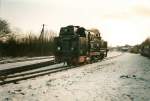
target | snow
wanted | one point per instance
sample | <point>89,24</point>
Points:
<point>123,78</point>
<point>23,63</point>
<point>4,60</point>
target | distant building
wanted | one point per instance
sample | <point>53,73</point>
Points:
<point>125,48</point>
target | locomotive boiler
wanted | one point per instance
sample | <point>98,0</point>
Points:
<point>77,45</point>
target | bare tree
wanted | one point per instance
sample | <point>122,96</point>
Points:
<point>4,28</point>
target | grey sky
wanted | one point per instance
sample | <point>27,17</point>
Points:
<point>120,21</point>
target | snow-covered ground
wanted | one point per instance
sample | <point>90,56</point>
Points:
<point>5,60</point>
<point>123,78</point>
<point>23,63</point>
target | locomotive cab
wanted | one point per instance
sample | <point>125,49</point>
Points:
<point>70,45</point>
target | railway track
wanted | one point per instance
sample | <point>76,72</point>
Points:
<point>15,75</point>
<point>32,74</point>
<point>29,67</point>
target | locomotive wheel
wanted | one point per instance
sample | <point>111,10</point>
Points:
<point>68,63</point>
<point>93,59</point>
<point>102,56</point>
<point>106,52</point>
<point>74,61</point>
<point>88,60</point>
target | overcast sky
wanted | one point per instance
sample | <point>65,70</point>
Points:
<point>120,21</point>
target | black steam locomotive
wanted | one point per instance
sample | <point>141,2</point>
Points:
<point>76,45</point>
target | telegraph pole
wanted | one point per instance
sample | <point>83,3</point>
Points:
<point>41,39</point>
<point>42,32</point>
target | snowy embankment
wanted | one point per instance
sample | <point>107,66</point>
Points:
<point>124,78</point>
<point>5,60</point>
<point>23,63</point>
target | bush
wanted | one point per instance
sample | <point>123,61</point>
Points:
<point>27,46</point>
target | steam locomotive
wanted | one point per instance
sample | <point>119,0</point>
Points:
<point>76,45</point>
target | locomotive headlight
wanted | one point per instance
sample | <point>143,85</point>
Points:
<point>58,48</point>
<point>72,48</point>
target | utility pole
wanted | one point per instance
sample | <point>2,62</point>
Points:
<point>41,39</point>
<point>42,32</point>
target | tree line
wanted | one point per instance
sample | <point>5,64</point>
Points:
<point>31,45</point>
